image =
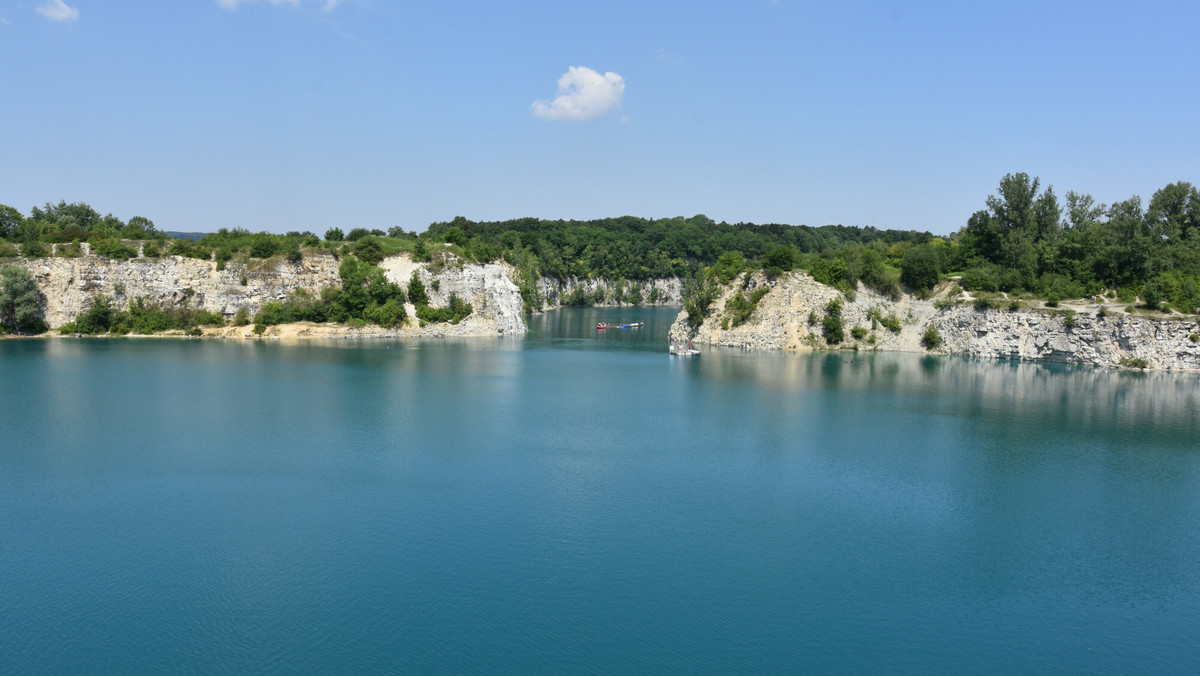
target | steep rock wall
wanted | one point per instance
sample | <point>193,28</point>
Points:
<point>555,293</point>
<point>1089,339</point>
<point>495,299</point>
<point>69,284</point>
<point>781,321</point>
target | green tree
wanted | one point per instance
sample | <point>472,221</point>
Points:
<point>368,250</point>
<point>20,301</point>
<point>921,267</point>
<point>10,220</point>
<point>728,266</point>
<point>139,227</point>
<point>416,291</point>
<point>831,326</point>
<point>1174,212</point>
<point>334,235</point>
<point>1016,221</point>
<point>779,259</point>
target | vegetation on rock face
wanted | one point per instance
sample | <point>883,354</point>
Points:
<point>364,297</point>
<point>144,316</point>
<point>699,292</point>
<point>1025,241</point>
<point>831,326</point>
<point>931,340</point>
<point>455,312</point>
<point>20,301</point>
<point>739,307</point>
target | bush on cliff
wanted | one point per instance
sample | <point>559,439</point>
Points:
<point>454,313</point>
<point>111,247</point>
<point>930,340</point>
<point>144,315</point>
<point>831,326</point>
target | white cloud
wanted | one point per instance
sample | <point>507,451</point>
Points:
<point>583,94</point>
<point>57,10</point>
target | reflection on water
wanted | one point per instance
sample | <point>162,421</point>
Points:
<point>1157,408</point>
<point>579,501</point>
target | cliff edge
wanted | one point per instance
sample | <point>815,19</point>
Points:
<point>791,313</point>
<point>69,284</point>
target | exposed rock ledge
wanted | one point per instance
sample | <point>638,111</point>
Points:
<point>603,293</point>
<point>780,322</point>
<point>69,283</point>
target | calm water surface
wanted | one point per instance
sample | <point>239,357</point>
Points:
<point>579,502</point>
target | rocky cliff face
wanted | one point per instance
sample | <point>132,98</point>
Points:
<point>69,284</point>
<point>604,293</point>
<point>1084,339</point>
<point>781,321</point>
<point>488,288</point>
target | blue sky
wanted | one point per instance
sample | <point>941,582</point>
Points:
<point>301,115</point>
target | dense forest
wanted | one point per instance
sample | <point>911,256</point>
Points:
<point>1025,241</point>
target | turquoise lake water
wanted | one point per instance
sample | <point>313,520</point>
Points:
<point>579,502</point>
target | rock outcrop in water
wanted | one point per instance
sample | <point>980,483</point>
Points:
<point>1078,335</point>
<point>69,284</point>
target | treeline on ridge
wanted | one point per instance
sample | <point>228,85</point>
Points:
<point>1024,241</point>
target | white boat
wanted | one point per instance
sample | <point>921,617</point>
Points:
<point>681,351</point>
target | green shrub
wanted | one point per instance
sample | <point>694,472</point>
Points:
<point>31,248</point>
<point>241,317</point>
<point>729,265</point>
<point>98,316</point>
<point>8,251</point>
<point>1153,294</point>
<point>831,327</point>
<point>264,245</point>
<point>453,313</point>
<point>982,278</point>
<point>739,307</point>
<point>930,340</point>
<point>1134,363</point>
<point>389,314</point>
<point>858,332</point>
<point>368,250</point>
<point>1195,338</point>
<point>416,291</point>
<point>779,260</point>
<point>190,249</point>
<point>699,292</point>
